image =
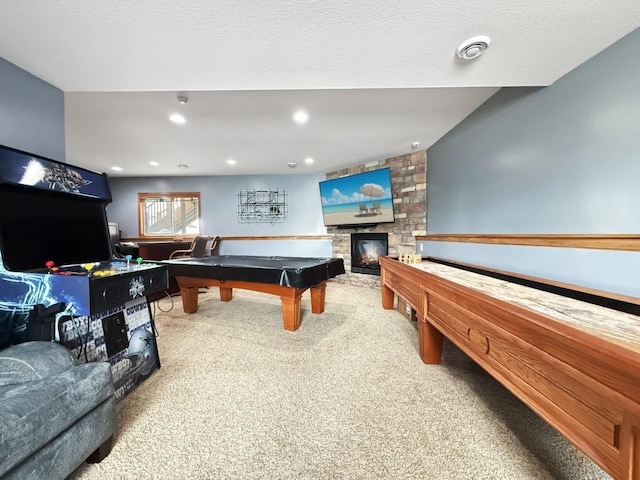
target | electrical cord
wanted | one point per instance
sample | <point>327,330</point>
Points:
<point>157,303</point>
<point>82,339</point>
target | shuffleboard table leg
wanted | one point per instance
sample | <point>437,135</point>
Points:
<point>291,311</point>
<point>189,299</point>
<point>430,341</point>
<point>226,294</point>
<point>317,297</point>
<point>387,297</point>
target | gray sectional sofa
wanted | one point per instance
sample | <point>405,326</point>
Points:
<point>55,413</point>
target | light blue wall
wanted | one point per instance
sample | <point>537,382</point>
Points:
<point>219,202</point>
<point>31,113</point>
<point>560,159</point>
<point>321,247</point>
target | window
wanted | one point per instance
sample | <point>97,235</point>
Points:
<point>169,214</point>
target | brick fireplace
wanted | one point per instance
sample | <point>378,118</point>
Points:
<point>408,184</point>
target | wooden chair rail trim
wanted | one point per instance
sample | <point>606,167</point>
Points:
<point>151,239</point>
<point>272,237</point>
<point>279,237</point>
<point>628,242</point>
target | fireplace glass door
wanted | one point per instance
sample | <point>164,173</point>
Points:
<point>366,248</point>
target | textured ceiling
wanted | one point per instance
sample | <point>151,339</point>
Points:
<point>374,76</point>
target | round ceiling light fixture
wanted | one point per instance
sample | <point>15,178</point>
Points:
<point>292,164</point>
<point>178,119</point>
<point>301,116</point>
<point>473,47</point>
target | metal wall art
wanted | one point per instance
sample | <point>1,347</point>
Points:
<point>262,206</point>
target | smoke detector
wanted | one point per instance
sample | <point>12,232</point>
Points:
<point>473,47</point>
<point>182,98</point>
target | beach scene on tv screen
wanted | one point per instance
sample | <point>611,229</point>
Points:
<point>361,198</point>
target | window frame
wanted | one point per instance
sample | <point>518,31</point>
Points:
<point>144,196</point>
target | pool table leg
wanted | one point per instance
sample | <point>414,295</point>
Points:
<point>317,297</point>
<point>291,311</point>
<point>226,294</point>
<point>189,299</point>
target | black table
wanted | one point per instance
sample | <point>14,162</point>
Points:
<point>287,277</point>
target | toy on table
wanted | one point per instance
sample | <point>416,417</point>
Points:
<point>128,259</point>
<point>410,258</point>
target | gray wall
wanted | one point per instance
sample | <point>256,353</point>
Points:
<point>31,113</point>
<point>560,159</point>
<point>219,202</point>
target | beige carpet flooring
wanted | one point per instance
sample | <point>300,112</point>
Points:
<point>344,397</point>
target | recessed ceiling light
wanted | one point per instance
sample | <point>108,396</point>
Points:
<point>292,164</point>
<point>183,165</point>
<point>231,161</point>
<point>155,164</point>
<point>301,116</point>
<point>308,160</point>
<point>117,169</point>
<point>178,119</point>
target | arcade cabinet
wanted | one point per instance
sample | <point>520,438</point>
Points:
<point>59,279</point>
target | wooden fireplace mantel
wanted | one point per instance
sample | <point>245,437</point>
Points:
<point>576,364</point>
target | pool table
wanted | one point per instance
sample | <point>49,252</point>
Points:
<point>287,277</point>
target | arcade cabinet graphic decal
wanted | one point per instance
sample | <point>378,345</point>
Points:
<point>22,290</point>
<point>56,176</point>
<point>24,169</point>
<point>122,335</point>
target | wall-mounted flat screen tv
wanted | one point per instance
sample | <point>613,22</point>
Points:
<point>363,198</point>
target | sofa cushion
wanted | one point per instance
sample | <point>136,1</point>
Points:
<point>34,412</point>
<point>32,361</point>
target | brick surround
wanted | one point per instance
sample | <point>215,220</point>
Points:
<point>409,188</point>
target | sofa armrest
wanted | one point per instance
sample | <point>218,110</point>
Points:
<point>33,361</point>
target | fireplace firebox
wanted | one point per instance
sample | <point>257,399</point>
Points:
<point>366,248</point>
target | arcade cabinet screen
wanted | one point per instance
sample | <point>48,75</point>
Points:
<point>39,225</point>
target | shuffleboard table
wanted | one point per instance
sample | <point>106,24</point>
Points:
<point>287,277</point>
<point>575,363</point>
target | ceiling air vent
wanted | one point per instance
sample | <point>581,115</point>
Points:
<point>473,48</point>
